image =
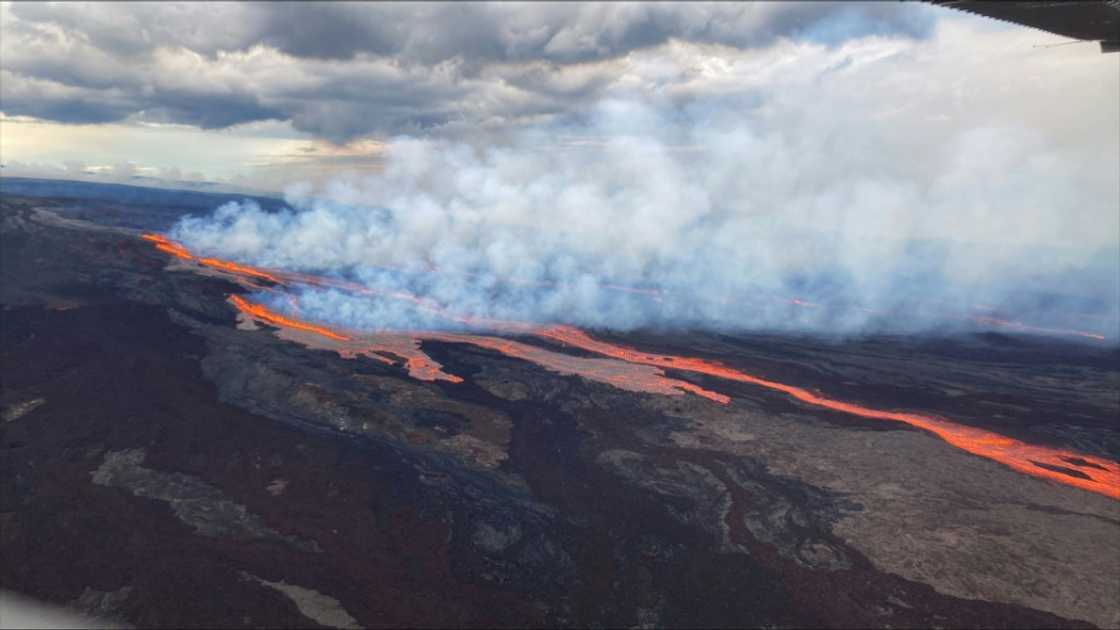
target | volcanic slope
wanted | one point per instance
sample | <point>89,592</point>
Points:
<point>165,466</point>
<point>624,369</point>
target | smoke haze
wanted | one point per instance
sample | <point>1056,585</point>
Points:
<point>856,195</point>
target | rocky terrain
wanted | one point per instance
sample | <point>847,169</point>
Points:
<point>167,462</point>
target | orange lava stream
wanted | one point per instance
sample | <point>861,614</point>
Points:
<point>167,247</point>
<point>260,312</point>
<point>233,267</point>
<point>1102,476</point>
<point>622,375</point>
<point>177,250</point>
<point>421,367</point>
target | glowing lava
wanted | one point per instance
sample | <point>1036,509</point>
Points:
<point>260,312</point>
<point>382,346</point>
<point>1038,461</point>
<point>238,269</point>
<point>178,251</point>
<point>634,370</point>
<point>620,374</point>
<point>168,247</point>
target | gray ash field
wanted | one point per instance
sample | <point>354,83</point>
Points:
<point>165,467</point>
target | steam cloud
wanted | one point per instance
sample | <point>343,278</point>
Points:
<point>811,191</point>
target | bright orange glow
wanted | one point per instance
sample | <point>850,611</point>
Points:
<point>1094,474</point>
<point>377,347</point>
<point>235,268</point>
<point>623,375</point>
<point>167,247</point>
<point>421,367</point>
<point>155,238</point>
<point>175,249</point>
<point>628,376</point>
<point>1104,478</point>
<point>260,312</point>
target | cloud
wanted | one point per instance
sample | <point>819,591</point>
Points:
<point>24,96</point>
<point>431,32</point>
<point>345,70</point>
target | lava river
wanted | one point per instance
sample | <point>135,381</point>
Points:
<point>635,370</point>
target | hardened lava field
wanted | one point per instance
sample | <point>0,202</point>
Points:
<point>176,454</point>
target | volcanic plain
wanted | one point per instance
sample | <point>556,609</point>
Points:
<point>171,460</point>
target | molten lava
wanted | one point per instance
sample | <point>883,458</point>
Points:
<point>177,250</point>
<point>634,370</point>
<point>238,269</point>
<point>381,346</point>
<point>167,247</point>
<point>260,312</point>
<point>1038,461</point>
<point>620,374</point>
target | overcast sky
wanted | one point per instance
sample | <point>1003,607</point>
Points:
<point>263,94</point>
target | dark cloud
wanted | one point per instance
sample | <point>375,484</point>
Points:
<point>67,110</point>
<point>210,111</point>
<point>53,100</point>
<point>339,120</point>
<point>429,33</point>
<point>343,70</point>
<point>328,30</point>
<point>21,96</point>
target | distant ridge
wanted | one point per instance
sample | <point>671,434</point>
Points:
<point>125,193</point>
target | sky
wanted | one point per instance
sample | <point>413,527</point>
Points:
<point>260,94</point>
<point>886,154</point>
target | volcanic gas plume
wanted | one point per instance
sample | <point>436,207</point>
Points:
<point>627,368</point>
<point>432,307</point>
<point>712,219</point>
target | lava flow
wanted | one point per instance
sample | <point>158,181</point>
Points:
<point>406,345</point>
<point>620,374</point>
<point>1094,474</point>
<point>178,251</point>
<point>1038,461</point>
<point>260,312</point>
<point>168,247</point>
<point>386,348</point>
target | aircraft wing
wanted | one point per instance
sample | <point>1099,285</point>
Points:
<point>1092,21</point>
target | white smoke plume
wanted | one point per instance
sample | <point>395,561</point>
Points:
<point>884,202</point>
